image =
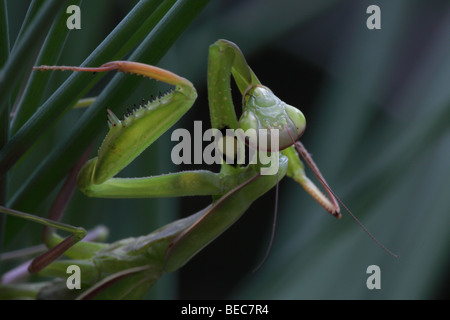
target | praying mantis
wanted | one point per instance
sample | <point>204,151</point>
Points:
<point>126,269</point>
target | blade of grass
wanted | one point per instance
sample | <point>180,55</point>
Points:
<point>33,9</point>
<point>20,57</point>
<point>34,91</point>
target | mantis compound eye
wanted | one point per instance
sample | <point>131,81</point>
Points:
<point>264,110</point>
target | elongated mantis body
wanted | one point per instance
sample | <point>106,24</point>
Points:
<point>128,268</point>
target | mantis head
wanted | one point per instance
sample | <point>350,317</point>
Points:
<point>264,110</point>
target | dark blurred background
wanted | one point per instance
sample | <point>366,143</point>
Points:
<point>377,104</point>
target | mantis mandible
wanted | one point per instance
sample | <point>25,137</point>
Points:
<point>128,268</point>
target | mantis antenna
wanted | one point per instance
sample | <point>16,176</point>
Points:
<point>307,157</point>
<point>274,225</point>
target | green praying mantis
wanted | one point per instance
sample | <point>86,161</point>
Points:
<point>126,269</point>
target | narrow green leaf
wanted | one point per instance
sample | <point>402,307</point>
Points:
<point>34,91</point>
<point>33,9</point>
<point>20,57</point>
